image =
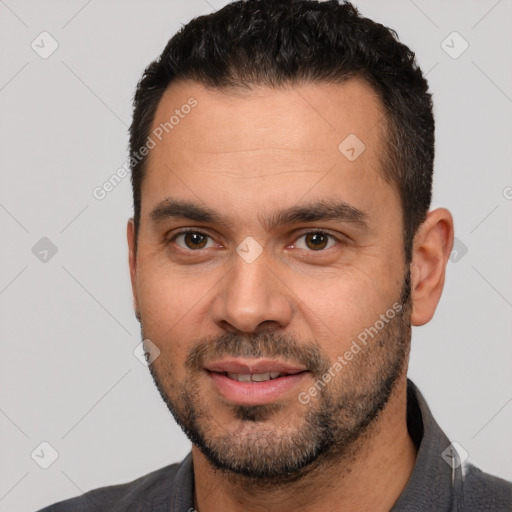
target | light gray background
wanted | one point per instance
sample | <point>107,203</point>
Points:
<point>68,373</point>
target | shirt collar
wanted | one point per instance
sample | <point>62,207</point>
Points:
<point>436,469</point>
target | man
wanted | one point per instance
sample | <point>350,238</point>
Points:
<point>280,250</point>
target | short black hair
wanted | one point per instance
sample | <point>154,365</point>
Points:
<point>285,42</point>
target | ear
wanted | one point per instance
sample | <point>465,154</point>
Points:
<point>132,262</point>
<point>431,249</point>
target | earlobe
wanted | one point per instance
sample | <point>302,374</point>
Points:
<point>432,247</point>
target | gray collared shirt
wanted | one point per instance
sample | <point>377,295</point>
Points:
<point>439,481</point>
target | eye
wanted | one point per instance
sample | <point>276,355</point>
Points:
<point>192,240</point>
<point>316,241</point>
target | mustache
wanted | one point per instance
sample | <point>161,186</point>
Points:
<point>268,345</point>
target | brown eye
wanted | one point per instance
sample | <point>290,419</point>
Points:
<point>192,240</point>
<point>316,241</point>
<point>195,240</point>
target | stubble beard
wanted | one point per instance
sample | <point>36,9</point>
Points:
<point>265,453</point>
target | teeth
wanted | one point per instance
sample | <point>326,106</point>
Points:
<point>240,377</point>
<point>254,377</point>
<point>260,377</point>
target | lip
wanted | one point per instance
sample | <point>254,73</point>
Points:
<point>254,393</point>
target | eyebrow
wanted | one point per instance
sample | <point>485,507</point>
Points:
<point>322,210</point>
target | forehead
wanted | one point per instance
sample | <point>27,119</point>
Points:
<point>256,144</point>
<point>296,112</point>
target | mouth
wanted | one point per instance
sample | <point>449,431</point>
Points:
<point>256,377</point>
<point>256,381</point>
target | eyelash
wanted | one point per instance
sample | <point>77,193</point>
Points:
<point>195,231</point>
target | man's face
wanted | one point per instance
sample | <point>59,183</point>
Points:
<point>299,262</point>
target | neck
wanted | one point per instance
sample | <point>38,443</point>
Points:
<point>369,476</point>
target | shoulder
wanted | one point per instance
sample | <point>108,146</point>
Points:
<point>482,491</point>
<point>145,490</point>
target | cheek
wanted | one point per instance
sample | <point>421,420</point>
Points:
<point>338,308</point>
<point>165,293</point>
<point>169,307</point>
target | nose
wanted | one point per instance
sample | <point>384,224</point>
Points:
<point>252,298</point>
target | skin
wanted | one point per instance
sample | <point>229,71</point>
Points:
<point>246,155</point>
